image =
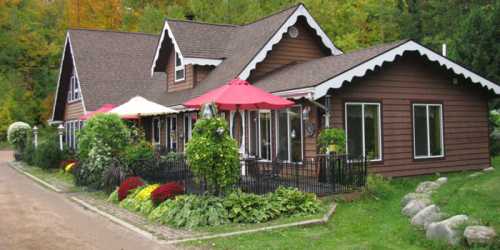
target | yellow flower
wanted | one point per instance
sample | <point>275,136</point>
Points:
<point>69,167</point>
<point>145,193</point>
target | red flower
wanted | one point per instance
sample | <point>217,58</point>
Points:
<point>127,185</point>
<point>166,191</point>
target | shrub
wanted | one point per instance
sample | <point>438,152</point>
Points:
<point>291,201</point>
<point>128,185</point>
<point>19,134</point>
<point>332,136</point>
<point>112,176</point>
<point>100,142</point>
<point>130,202</point>
<point>48,154</point>
<point>139,159</point>
<point>248,208</point>
<point>28,154</point>
<point>166,191</point>
<point>113,197</point>
<point>145,193</point>
<point>213,155</point>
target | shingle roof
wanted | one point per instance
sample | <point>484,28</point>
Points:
<point>113,66</point>
<point>314,72</point>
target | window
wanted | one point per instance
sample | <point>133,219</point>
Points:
<point>289,134</point>
<point>71,130</point>
<point>428,131</point>
<point>156,131</point>
<point>260,134</point>
<point>172,133</point>
<point>189,121</point>
<point>363,130</point>
<point>179,68</point>
<point>74,88</point>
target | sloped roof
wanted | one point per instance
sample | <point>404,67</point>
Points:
<point>314,72</point>
<point>112,67</point>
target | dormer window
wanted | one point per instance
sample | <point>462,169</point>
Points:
<point>74,88</point>
<point>180,73</point>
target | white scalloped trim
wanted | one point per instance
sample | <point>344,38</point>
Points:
<point>166,27</point>
<point>202,61</point>
<point>300,11</point>
<point>389,56</point>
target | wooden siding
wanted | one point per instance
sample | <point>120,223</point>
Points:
<point>289,50</point>
<point>201,72</point>
<point>412,79</point>
<point>73,110</point>
<point>188,81</point>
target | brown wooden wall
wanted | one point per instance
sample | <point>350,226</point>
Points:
<point>188,81</point>
<point>73,110</point>
<point>289,50</point>
<point>413,79</point>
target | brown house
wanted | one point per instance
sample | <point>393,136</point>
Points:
<point>409,109</point>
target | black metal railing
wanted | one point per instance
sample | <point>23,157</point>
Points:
<point>323,174</point>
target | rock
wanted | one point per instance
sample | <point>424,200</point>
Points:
<point>427,187</point>
<point>414,206</point>
<point>426,216</point>
<point>447,230</point>
<point>476,174</point>
<point>441,181</point>
<point>479,235</point>
<point>489,169</point>
<point>413,196</point>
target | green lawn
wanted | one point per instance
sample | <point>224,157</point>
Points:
<point>375,221</point>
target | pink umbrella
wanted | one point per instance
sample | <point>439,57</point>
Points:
<point>239,94</point>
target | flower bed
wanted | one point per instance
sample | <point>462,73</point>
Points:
<point>165,204</point>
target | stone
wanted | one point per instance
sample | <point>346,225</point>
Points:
<point>413,196</point>
<point>441,181</point>
<point>427,187</point>
<point>447,230</point>
<point>414,206</point>
<point>426,216</point>
<point>489,169</point>
<point>476,174</point>
<point>479,235</point>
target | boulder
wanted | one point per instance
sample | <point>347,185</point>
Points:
<point>413,196</point>
<point>476,174</point>
<point>427,187</point>
<point>426,216</point>
<point>479,235</point>
<point>441,181</point>
<point>414,206</point>
<point>447,230</point>
<point>489,169</point>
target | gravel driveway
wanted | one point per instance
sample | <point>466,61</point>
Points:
<point>32,217</point>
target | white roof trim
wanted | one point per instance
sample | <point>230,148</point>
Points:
<point>300,11</point>
<point>67,41</point>
<point>166,27</point>
<point>389,56</point>
<point>202,61</point>
<point>77,76</point>
<point>296,93</point>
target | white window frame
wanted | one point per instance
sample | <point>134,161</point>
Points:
<point>73,90</point>
<point>363,104</point>
<point>190,124</point>
<point>71,128</point>
<point>178,68</point>
<point>153,132</point>
<point>171,134</point>
<point>289,157</point>
<point>427,105</point>
<point>259,137</point>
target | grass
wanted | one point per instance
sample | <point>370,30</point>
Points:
<point>375,221</point>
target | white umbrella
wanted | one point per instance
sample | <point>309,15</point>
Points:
<point>140,106</point>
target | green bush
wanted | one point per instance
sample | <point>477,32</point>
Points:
<point>100,143</point>
<point>249,208</point>
<point>130,203</point>
<point>378,187</point>
<point>291,201</point>
<point>213,155</point>
<point>19,135</point>
<point>28,154</point>
<point>113,197</point>
<point>332,136</point>
<point>140,158</point>
<point>48,154</point>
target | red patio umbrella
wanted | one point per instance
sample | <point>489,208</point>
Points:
<point>239,94</point>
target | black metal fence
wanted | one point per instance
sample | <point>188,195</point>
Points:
<point>323,174</point>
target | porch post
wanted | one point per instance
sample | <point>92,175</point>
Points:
<point>35,136</point>
<point>61,132</point>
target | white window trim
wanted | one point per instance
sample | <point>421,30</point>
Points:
<point>170,131</point>
<point>243,121</point>
<point>153,132</point>
<point>178,68</point>
<point>259,137</point>
<point>71,128</point>
<point>381,157</point>
<point>73,80</point>
<point>288,134</point>
<point>190,127</point>
<point>428,156</point>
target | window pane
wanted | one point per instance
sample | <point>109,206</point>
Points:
<point>238,128</point>
<point>282,135</point>
<point>186,128</point>
<point>420,130</point>
<point>372,130</point>
<point>265,136</point>
<point>179,74</point>
<point>253,133</point>
<point>295,134</point>
<point>354,130</point>
<point>435,130</point>
<point>177,60</point>
<point>156,130</point>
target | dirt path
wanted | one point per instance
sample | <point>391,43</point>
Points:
<point>32,217</point>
